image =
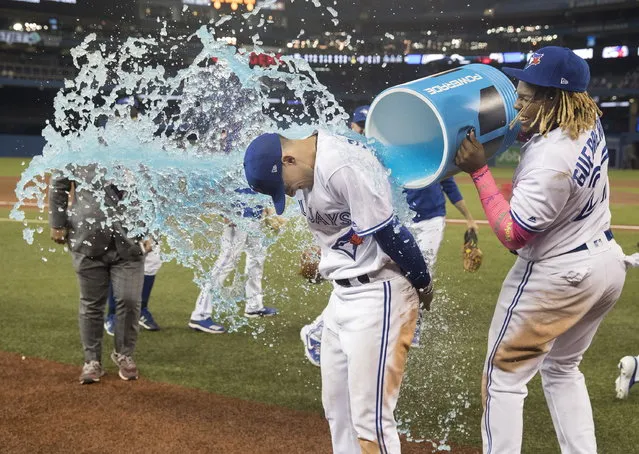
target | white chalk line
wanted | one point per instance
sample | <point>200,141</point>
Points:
<point>10,204</point>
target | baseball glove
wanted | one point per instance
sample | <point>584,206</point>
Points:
<point>309,264</point>
<point>275,222</point>
<point>471,254</point>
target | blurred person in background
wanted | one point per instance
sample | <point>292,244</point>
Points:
<point>102,253</point>
<point>233,243</point>
<point>152,260</point>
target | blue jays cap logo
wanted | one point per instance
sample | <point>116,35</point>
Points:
<point>561,68</point>
<point>534,60</point>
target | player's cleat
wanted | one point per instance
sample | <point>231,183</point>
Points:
<point>312,340</point>
<point>91,372</point>
<point>127,370</point>
<point>109,324</point>
<point>417,336</point>
<point>207,326</point>
<point>627,376</point>
<point>147,321</point>
<point>264,312</point>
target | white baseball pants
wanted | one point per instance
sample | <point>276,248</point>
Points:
<point>232,244</point>
<point>152,262</point>
<point>366,337</point>
<point>546,317</point>
<point>429,234</point>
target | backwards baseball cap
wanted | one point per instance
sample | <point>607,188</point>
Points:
<point>360,114</point>
<point>554,66</point>
<point>263,168</point>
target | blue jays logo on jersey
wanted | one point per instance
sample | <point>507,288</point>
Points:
<point>534,60</point>
<point>348,243</point>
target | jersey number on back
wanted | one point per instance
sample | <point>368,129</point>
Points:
<point>588,175</point>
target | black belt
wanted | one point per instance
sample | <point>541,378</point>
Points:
<point>583,247</point>
<point>364,279</point>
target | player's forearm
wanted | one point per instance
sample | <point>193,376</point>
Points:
<point>497,210</point>
<point>463,209</point>
<point>400,245</point>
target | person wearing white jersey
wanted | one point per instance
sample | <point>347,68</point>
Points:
<point>311,334</point>
<point>233,243</point>
<point>628,365</point>
<point>569,272</point>
<point>429,205</point>
<point>378,273</point>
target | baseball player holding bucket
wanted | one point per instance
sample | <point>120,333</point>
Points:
<point>378,273</point>
<point>569,272</point>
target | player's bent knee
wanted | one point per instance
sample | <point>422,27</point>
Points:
<point>553,369</point>
<point>510,356</point>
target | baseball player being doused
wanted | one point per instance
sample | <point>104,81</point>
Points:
<point>569,272</point>
<point>371,315</point>
<point>429,220</point>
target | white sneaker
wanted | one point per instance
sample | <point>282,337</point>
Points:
<point>311,336</point>
<point>91,372</point>
<point>627,375</point>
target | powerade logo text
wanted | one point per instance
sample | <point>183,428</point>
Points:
<point>455,83</point>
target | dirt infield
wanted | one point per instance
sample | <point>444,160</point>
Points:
<point>43,408</point>
<point>8,188</point>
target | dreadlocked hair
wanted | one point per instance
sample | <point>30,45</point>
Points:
<point>573,112</point>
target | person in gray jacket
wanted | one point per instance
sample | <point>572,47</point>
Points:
<point>101,253</point>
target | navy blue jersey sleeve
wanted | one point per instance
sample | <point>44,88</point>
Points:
<point>452,191</point>
<point>400,245</point>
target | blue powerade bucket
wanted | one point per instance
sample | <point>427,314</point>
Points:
<point>422,123</point>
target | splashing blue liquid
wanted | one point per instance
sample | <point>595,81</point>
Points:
<point>176,165</point>
<point>179,163</point>
<point>411,162</point>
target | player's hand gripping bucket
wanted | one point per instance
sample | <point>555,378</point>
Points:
<point>422,123</point>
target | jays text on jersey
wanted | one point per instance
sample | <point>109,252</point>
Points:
<point>349,201</point>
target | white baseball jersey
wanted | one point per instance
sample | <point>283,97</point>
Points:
<point>552,302</point>
<point>560,191</point>
<point>367,328</point>
<point>349,201</point>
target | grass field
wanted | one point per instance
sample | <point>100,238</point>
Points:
<point>10,167</point>
<point>38,317</point>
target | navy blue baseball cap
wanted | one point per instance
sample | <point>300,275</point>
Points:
<point>360,114</point>
<point>263,168</point>
<point>554,66</point>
